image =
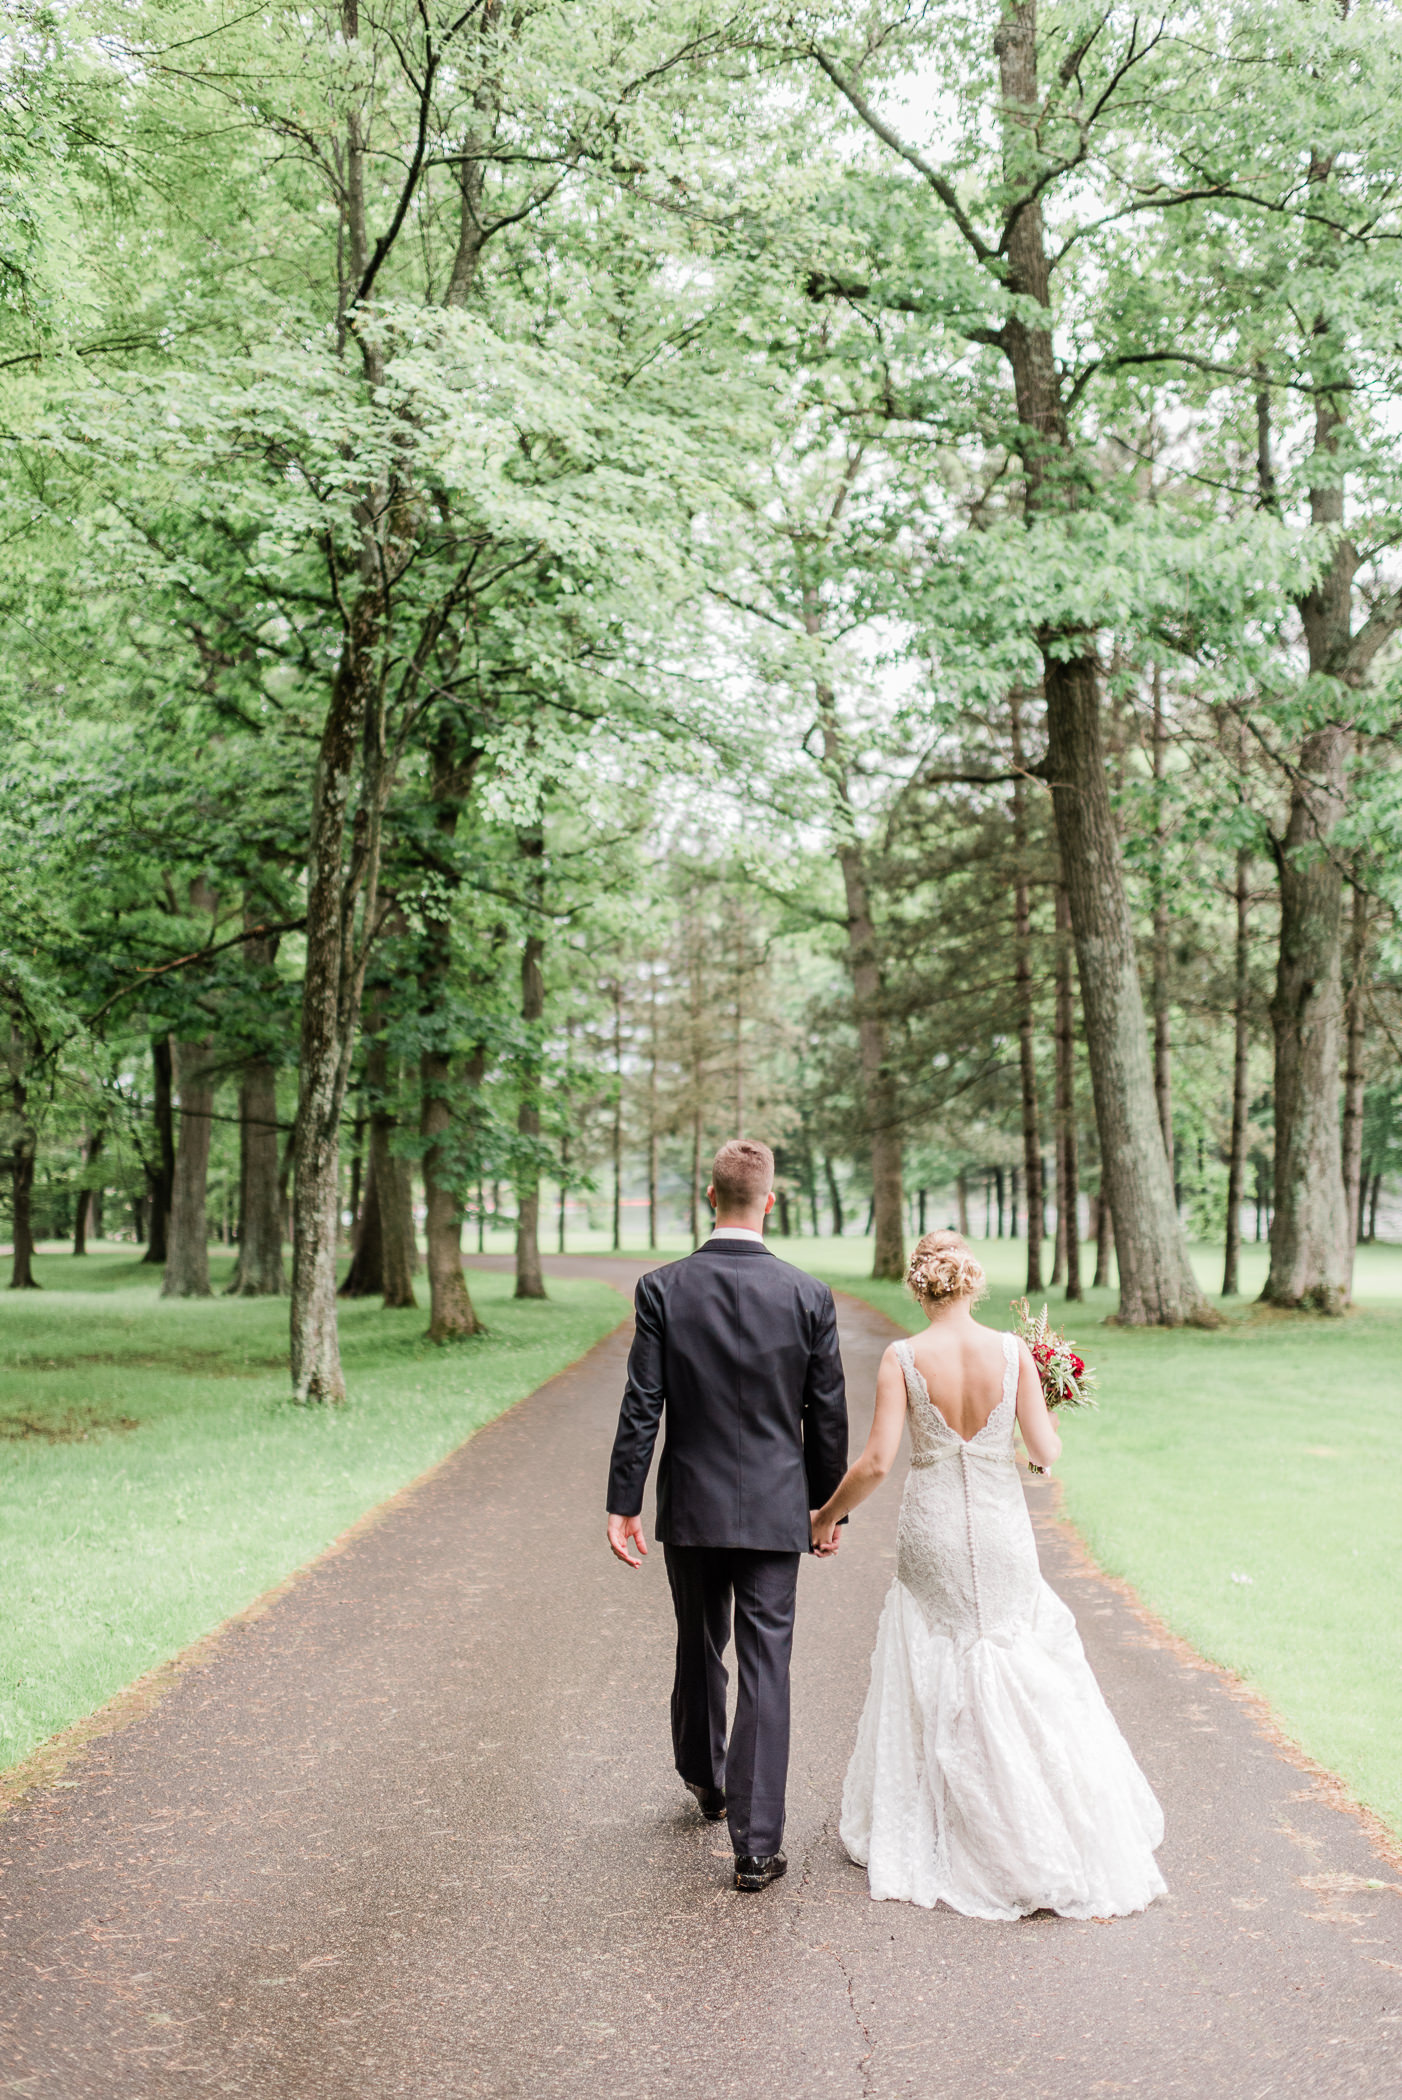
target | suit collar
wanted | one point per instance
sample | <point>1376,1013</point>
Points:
<point>732,1247</point>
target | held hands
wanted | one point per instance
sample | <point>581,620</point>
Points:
<point>824,1533</point>
<point>624,1534</point>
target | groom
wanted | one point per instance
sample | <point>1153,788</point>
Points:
<point>741,1352</point>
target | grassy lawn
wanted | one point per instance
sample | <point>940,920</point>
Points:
<point>1246,1484</point>
<point>154,1476</point>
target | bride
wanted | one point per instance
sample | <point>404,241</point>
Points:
<point>988,1772</point>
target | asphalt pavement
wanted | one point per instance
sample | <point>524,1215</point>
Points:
<point>414,1831</point>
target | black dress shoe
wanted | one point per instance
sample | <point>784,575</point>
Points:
<point>751,1873</point>
<point>709,1799</point>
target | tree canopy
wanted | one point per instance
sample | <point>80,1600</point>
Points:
<point>584,578</point>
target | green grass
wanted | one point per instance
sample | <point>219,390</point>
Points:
<point>154,1477</point>
<point>1263,1450</point>
<point>1266,1450</point>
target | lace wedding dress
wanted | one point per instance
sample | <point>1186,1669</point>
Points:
<point>988,1772</point>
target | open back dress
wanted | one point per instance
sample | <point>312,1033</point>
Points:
<point>988,1772</point>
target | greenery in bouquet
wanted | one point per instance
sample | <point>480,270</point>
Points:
<point>1066,1380</point>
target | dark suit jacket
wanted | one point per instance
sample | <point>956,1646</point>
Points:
<point>740,1351</point>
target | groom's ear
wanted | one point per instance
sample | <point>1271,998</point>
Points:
<point>769,1203</point>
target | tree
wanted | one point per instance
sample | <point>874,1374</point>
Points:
<point>1040,144</point>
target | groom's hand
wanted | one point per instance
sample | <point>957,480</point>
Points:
<point>624,1534</point>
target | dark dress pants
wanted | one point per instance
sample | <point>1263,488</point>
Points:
<point>753,1769</point>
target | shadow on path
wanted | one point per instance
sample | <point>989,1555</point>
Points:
<point>414,1832</point>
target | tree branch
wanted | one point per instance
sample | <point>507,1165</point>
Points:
<point>940,184</point>
<point>199,955</point>
<point>1353,660</point>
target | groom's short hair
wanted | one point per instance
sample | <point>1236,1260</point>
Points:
<point>743,1169</point>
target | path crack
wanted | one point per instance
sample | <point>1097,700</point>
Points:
<point>805,1876</point>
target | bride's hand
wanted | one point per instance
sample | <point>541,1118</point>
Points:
<point>824,1533</point>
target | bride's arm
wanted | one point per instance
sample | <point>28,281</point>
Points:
<point>1033,1414</point>
<point>867,1473</point>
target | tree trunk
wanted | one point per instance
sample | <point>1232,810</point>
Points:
<point>834,1197</point>
<point>353,734</point>
<point>530,1283</point>
<point>1068,1191</point>
<point>1310,1250</point>
<point>1163,1052</point>
<point>695,1220</point>
<point>652,1221</point>
<point>365,1278</point>
<point>1104,1242</point>
<point>385,1254</point>
<point>85,1214</point>
<point>878,1081</point>
<point>617,1116</point>
<point>22,1277</point>
<point>697,1191</point>
<point>160,1180</point>
<point>740,1022</point>
<point>1377,1190</point>
<point>399,1249</point>
<point>23,1144</point>
<point>187,1262</point>
<point>284,1185</point>
<point>451,1311</point>
<point>1241,1102</point>
<point>258,1272</point>
<point>1353,1071</point>
<point>961,1193</point>
<point>357,1169</point>
<point>1309,1231</point>
<point>1026,1016</point>
<point>879,1097</point>
<point>1157,1284</point>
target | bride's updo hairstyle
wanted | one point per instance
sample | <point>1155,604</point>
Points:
<point>943,1267</point>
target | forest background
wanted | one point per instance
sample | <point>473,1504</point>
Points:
<point>582,579</point>
<point>575,586</point>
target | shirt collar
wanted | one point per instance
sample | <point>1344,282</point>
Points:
<point>736,1232</point>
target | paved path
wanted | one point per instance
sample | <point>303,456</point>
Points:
<point>413,1832</point>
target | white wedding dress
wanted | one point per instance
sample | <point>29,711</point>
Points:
<point>988,1772</point>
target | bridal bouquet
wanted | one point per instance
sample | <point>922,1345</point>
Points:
<point>1066,1382</point>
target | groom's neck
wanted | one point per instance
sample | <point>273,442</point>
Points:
<point>751,1220</point>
